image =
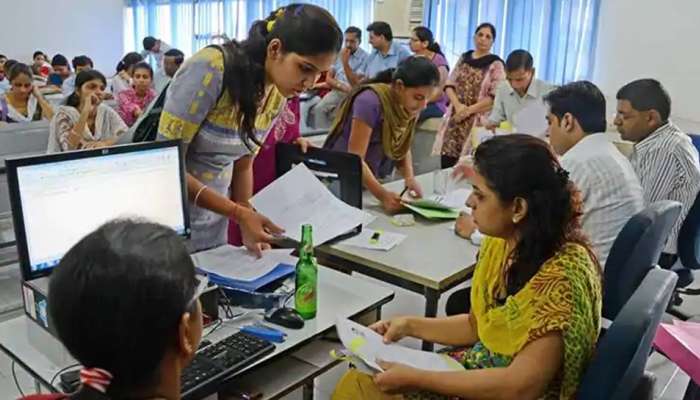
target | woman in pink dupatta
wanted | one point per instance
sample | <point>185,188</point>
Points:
<point>284,130</point>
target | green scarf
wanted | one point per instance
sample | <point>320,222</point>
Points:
<point>398,126</point>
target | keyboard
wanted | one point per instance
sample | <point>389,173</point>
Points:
<point>217,361</point>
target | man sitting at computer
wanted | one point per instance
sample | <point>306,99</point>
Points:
<point>133,346</point>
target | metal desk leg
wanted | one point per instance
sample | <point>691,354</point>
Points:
<point>308,391</point>
<point>692,392</point>
<point>431,305</point>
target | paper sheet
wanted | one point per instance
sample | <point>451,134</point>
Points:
<point>298,198</point>
<point>454,199</point>
<point>240,264</point>
<point>386,241</point>
<point>531,120</point>
<point>368,346</point>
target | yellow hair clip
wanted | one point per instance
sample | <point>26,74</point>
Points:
<point>271,24</point>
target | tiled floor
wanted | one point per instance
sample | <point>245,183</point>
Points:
<point>670,384</point>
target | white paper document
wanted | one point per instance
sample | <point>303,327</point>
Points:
<point>240,264</point>
<point>298,198</point>
<point>368,347</point>
<point>375,240</point>
<point>454,199</point>
<point>531,120</point>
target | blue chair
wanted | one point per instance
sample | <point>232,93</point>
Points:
<point>634,252</point>
<point>617,369</point>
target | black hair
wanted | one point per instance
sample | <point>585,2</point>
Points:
<point>18,69</point>
<point>381,28</point>
<point>356,31</point>
<point>426,35</point>
<point>83,77</point>
<point>81,61</point>
<point>129,60</point>
<point>144,65</point>
<point>645,95</point>
<point>583,100</point>
<point>38,53</point>
<point>179,56</point>
<point>3,56</point>
<point>59,60</point>
<point>413,71</point>
<point>305,29</point>
<point>519,59</point>
<point>8,66</point>
<point>486,25</point>
<point>116,301</point>
<point>149,42</point>
<point>554,206</point>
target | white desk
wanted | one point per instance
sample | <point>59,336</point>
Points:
<point>339,295</point>
<point>430,261</point>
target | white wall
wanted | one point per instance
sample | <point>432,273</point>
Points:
<point>652,39</point>
<point>69,27</point>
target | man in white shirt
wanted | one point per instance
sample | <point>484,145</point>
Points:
<point>80,63</point>
<point>172,60</point>
<point>610,190</point>
<point>520,91</point>
<point>664,157</point>
<point>156,48</point>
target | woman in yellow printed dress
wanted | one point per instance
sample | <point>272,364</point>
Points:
<point>536,294</point>
<point>222,121</point>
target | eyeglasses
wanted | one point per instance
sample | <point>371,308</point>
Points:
<point>202,283</point>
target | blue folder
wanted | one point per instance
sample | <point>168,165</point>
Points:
<point>280,271</point>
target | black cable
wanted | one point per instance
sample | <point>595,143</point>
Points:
<point>218,323</point>
<point>14,376</point>
<point>225,302</point>
<point>62,370</point>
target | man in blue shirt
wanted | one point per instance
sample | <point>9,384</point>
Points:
<point>386,54</point>
<point>323,113</point>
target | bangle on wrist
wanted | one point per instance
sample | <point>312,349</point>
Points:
<point>199,192</point>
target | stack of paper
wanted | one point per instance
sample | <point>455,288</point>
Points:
<point>298,198</point>
<point>237,268</point>
<point>440,206</point>
<point>367,347</point>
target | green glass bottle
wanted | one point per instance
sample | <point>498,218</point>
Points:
<point>305,292</point>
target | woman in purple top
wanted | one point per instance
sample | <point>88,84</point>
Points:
<point>423,44</point>
<point>377,122</point>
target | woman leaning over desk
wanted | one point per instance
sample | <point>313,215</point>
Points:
<point>377,122</point>
<point>536,294</point>
<point>222,121</point>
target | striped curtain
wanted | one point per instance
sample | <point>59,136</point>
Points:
<point>560,34</point>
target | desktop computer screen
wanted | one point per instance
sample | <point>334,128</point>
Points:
<point>58,199</point>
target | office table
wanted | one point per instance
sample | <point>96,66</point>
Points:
<point>340,295</point>
<point>431,260</point>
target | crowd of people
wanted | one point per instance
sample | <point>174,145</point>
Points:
<point>549,208</point>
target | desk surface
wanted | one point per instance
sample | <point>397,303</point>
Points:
<point>340,295</point>
<point>431,255</point>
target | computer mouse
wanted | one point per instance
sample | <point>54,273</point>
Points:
<point>286,317</point>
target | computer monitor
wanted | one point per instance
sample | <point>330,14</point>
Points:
<point>340,172</point>
<point>58,199</point>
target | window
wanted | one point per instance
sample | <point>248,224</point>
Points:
<point>560,34</point>
<point>192,24</point>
